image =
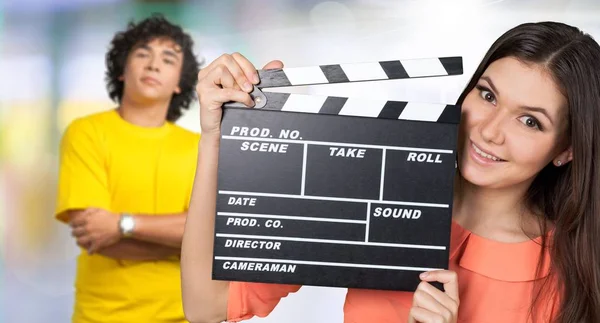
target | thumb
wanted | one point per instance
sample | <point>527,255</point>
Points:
<point>273,65</point>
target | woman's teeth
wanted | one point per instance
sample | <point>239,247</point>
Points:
<point>484,155</point>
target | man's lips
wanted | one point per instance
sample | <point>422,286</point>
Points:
<point>150,80</point>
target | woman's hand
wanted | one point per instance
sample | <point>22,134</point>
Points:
<point>431,305</point>
<point>228,78</point>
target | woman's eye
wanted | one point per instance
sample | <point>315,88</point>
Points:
<point>488,96</point>
<point>530,122</point>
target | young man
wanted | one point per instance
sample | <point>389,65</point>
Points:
<point>126,177</point>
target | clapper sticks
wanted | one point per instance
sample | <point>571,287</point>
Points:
<point>333,191</point>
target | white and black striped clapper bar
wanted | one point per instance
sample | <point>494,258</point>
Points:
<point>333,191</point>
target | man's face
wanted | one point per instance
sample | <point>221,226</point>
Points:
<point>152,71</point>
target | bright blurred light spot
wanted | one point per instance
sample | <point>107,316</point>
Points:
<point>39,5</point>
<point>4,209</point>
<point>191,118</point>
<point>25,131</point>
<point>25,78</point>
<point>82,78</point>
<point>331,12</point>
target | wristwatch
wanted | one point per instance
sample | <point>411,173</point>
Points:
<point>126,224</point>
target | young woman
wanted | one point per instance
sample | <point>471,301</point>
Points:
<point>526,217</point>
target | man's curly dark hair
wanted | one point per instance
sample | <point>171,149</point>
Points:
<point>145,31</point>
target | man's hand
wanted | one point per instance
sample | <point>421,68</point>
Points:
<point>430,305</point>
<point>95,229</point>
<point>131,249</point>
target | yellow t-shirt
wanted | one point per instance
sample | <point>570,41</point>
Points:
<point>108,163</point>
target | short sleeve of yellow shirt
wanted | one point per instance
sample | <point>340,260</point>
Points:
<point>83,178</point>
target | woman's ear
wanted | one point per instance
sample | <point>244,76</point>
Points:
<point>563,158</point>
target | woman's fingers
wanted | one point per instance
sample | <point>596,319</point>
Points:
<point>447,277</point>
<point>443,298</point>
<point>216,96</point>
<point>228,78</point>
<point>227,95</point>
<point>423,299</point>
<point>232,64</point>
<point>223,78</point>
<point>248,68</point>
<point>273,65</point>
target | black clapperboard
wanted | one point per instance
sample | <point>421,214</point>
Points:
<point>334,191</point>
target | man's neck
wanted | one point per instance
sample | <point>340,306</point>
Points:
<point>153,114</point>
<point>497,214</point>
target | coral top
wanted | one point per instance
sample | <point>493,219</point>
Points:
<point>496,282</point>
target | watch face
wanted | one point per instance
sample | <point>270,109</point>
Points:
<point>127,224</point>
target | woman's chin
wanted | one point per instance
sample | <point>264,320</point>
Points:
<point>479,178</point>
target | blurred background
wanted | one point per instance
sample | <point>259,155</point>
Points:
<point>52,71</point>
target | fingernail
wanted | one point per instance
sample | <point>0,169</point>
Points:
<point>255,79</point>
<point>247,87</point>
<point>423,275</point>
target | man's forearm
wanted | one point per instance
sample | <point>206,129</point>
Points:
<point>129,249</point>
<point>162,229</point>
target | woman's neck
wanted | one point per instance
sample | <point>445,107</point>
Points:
<point>494,213</point>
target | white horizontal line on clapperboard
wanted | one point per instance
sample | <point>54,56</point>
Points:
<point>341,199</point>
<point>340,144</point>
<point>290,217</point>
<point>349,242</point>
<point>356,72</point>
<point>325,263</point>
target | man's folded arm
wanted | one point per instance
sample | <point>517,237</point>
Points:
<point>163,229</point>
<point>128,249</point>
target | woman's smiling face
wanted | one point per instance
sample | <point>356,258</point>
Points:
<point>514,124</point>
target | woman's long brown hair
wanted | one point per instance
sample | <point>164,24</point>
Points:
<point>566,197</point>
